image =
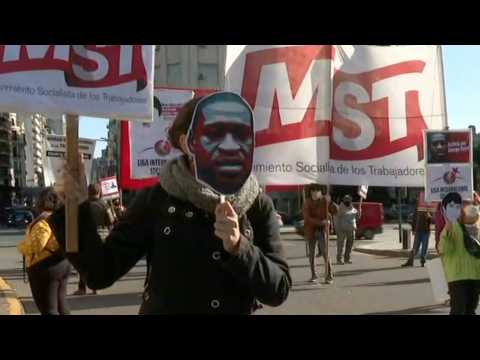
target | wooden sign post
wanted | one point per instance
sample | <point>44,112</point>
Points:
<point>327,238</point>
<point>71,198</point>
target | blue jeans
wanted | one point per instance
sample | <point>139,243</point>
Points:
<point>422,240</point>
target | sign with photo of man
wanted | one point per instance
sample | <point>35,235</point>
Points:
<point>448,147</point>
<point>449,166</point>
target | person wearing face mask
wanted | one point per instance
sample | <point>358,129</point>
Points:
<point>317,223</point>
<point>346,225</point>
<point>462,270</point>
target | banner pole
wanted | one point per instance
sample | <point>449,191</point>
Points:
<point>71,199</point>
<point>444,97</point>
<point>327,238</point>
<point>119,159</point>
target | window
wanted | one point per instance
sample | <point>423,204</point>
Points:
<point>4,159</point>
<point>208,75</point>
<point>174,75</point>
<point>4,147</point>
<point>207,54</point>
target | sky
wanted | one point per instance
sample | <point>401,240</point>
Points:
<point>94,128</point>
<point>462,79</point>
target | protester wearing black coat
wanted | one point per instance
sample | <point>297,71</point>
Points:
<point>189,272</point>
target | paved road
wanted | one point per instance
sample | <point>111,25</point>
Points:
<point>371,285</point>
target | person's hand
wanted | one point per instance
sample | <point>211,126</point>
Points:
<point>76,185</point>
<point>448,225</point>
<point>328,198</point>
<point>325,222</point>
<point>227,228</point>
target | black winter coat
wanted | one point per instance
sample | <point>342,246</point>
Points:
<point>189,272</point>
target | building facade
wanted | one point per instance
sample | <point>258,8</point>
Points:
<point>18,152</point>
<point>7,181</point>
<point>101,167</point>
<point>190,66</point>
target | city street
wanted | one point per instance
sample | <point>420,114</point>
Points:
<point>371,285</point>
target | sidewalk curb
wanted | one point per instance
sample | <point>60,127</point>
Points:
<point>388,253</point>
<point>10,297</point>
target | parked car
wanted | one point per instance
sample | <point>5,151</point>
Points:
<point>372,220</point>
<point>19,218</point>
<point>407,211</point>
<point>370,224</point>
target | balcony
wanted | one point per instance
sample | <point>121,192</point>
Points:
<point>5,124</point>
<point>36,122</point>
<point>37,137</point>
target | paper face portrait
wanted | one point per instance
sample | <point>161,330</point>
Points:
<point>221,141</point>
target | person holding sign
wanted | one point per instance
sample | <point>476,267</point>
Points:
<point>204,256</point>
<point>462,269</point>
<point>317,223</point>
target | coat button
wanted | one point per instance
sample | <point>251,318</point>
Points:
<point>216,255</point>
<point>215,304</point>
<point>167,230</point>
<point>189,214</point>
<point>171,209</point>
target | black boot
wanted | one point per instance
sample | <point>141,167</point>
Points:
<point>409,263</point>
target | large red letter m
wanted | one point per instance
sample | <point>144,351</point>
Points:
<point>289,90</point>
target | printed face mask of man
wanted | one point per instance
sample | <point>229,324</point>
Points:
<point>316,195</point>
<point>221,140</point>
<point>453,211</point>
<point>439,147</point>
